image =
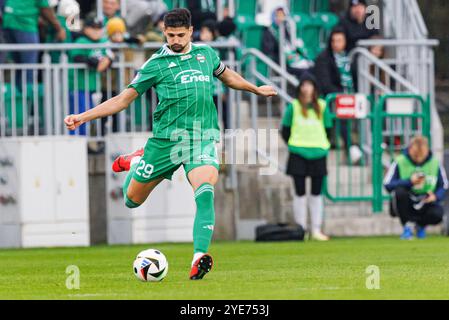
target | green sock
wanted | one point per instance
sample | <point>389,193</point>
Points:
<point>203,227</point>
<point>128,202</point>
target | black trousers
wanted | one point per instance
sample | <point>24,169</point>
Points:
<point>429,214</point>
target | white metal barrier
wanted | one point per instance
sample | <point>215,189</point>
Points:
<point>35,98</point>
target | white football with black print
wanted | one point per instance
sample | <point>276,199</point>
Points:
<point>150,265</point>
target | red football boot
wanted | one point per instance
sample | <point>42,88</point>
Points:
<point>123,162</point>
<point>201,266</point>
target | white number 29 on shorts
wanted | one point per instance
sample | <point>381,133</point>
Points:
<point>147,169</point>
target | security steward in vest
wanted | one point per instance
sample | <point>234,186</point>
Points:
<point>418,184</point>
<point>304,130</point>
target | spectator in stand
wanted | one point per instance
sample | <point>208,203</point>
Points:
<point>117,33</point>
<point>354,24</point>
<point>154,32</point>
<point>20,24</point>
<point>97,60</point>
<point>333,66</point>
<point>200,14</point>
<point>296,63</point>
<point>67,13</point>
<point>142,14</point>
<point>111,9</point>
<point>225,29</point>
<point>418,184</point>
<point>335,75</point>
<point>208,31</point>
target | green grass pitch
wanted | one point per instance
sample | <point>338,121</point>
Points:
<point>242,270</point>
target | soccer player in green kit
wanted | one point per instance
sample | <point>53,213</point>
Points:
<point>185,125</point>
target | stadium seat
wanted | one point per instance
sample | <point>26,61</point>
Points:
<point>314,30</point>
<point>245,13</point>
<point>322,6</point>
<point>301,6</point>
<point>19,104</point>
<point>308,29</point>
<point>252,38</point>
<point>170,4</point>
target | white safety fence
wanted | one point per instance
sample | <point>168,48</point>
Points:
<point>35,98</point>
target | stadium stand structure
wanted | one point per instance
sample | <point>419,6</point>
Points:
<point>404,79</point>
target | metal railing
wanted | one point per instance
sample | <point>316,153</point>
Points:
<point>35,98</point>
<point>403,20</point>
<point>398,73</point>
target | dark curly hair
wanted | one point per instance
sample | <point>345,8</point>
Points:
<point>177,18</point>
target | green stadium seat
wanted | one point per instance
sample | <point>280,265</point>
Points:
<point>301,6</point>
<point>245,13</point>
<point>314,30</point>
<point>170,4</point>
<point>20,106</point>
<point>252,38</point>
<point>322,6</point>
<point>308,30</point>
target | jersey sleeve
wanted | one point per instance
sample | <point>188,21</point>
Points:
<point>145,78</point>
<point>288,115</point>
<point>219,66</point>
<point>327,118</point>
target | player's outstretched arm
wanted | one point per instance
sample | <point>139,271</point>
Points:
<point>107,108</point>
<point>235,81</point>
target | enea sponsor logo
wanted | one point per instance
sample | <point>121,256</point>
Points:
<point>189,76</point>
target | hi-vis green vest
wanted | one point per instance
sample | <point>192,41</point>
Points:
<point>308,132</point>
<point>430,169</point>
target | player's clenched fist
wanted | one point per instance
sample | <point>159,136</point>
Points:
<point>266,91</point>
<point>72,121</point>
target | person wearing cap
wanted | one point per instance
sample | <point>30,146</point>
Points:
<point>354,24</point>
<point>305,127</point>
<point>418,184</point>
<point>97,60</point>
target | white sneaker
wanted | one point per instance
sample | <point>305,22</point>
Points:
<point>319,236</point>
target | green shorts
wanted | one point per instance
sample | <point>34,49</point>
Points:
<point>162,157</point>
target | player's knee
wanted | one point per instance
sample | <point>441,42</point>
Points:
<point>401,193</point>
<point>435,214</point>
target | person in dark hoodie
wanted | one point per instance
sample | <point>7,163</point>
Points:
<point>333,67</point>
<point>354,24</point>
<point>418,184</point>
<point>304,129</point>
<point>335,74</point>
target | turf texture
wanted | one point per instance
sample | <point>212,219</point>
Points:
<point>416,269</point>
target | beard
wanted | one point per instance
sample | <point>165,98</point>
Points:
<point>177,48</point>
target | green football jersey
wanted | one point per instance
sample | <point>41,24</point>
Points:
<point>185,87</point>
